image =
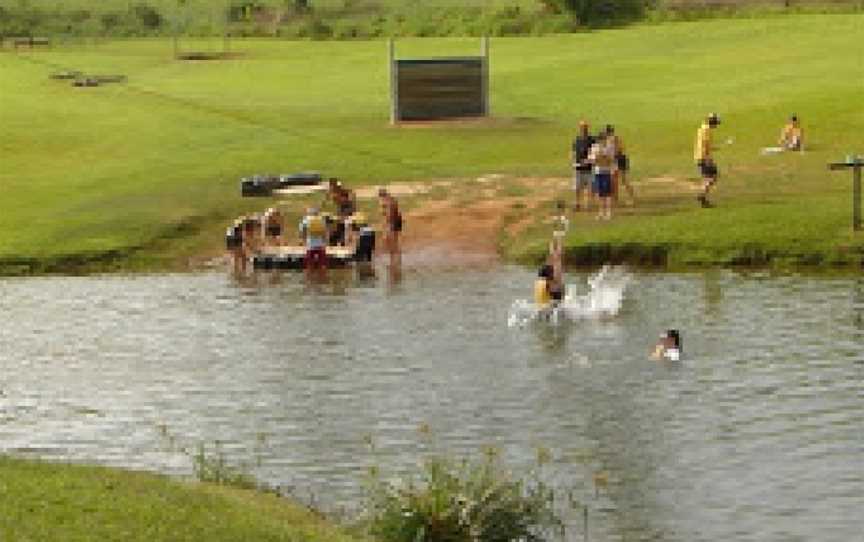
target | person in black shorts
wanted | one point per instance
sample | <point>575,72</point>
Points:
<point>362,238</point>
<point>392,223</point>
<point>703,153</point>
<point>346,205</point>
<point>583,176</point>
<point>622,165</point>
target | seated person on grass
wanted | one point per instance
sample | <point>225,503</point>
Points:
<point>792,136</point>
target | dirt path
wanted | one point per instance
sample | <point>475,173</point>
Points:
<point>464,226</point>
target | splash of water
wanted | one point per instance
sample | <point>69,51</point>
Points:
<point>605,295</point>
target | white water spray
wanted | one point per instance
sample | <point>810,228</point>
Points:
<point>603,299</point>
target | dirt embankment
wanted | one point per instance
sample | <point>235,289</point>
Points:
<point>462,222</point>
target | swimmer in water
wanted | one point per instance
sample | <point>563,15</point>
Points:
<point>542,293</point>
<point>556,263</point>
<point>556,253</point>
<point>549,285</point>
<point>669,346</point>
<point>392,227</point>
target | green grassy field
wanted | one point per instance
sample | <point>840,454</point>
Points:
<point>137,175</point>
<point>44,501</point>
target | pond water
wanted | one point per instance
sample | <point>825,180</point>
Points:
<point>757,434</point>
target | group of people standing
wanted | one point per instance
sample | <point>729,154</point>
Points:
<point>249,233</point>
<point>349,228</point>
<point>600,168</point>
<point>346,227</point>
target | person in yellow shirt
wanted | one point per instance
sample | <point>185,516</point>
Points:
<point>791,138</point>
<point>549,286</point>
<point>542,294</point>
<point>703,153</point>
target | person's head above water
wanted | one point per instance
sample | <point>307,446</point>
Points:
<point>675,338</point>
<point>545,272</point>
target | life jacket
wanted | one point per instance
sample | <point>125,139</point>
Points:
<point>315,226</point>
<point>358,220</point>
<point>541,293</point>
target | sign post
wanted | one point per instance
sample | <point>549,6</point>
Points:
<point>855,164</point>
<point>394,87</point>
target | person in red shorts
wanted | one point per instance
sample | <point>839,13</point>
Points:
<point>313,229</point>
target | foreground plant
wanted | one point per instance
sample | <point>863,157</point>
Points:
<point>461,501</point>
<point>215,469</point>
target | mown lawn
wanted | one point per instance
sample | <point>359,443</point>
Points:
<point>147,166</point>
<point>46,501</point>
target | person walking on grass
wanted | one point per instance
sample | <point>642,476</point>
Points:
<point>703,153</point>
<point>582,174</point>
<point>622,165</point>
<point>603,157</point>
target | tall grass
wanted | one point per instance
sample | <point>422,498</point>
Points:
<point>462,501</point>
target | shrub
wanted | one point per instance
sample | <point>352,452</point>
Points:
<point>461,502</point>
<point>314,28</point>
<point>148,16</point>
<point>599,12</point>
<point>215,469</point>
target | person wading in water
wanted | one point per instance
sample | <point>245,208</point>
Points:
<point>313,229</point>
<point>346,205</point>
<point>392,225</point>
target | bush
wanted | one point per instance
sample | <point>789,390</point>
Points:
<point>148,16</point>
<point>214,469</point>
<point>314,28</point>
<point>461,502</point>
<point>600,12</point>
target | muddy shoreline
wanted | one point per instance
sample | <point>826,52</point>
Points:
<point>465,222</point>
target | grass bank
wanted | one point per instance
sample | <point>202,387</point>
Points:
<point>144,175</point>
<point>784,234</point>
<point>47,501</point>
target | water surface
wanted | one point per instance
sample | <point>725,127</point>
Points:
<point>755,435</point>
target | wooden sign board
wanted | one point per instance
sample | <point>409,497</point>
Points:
<point>440,88</point>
